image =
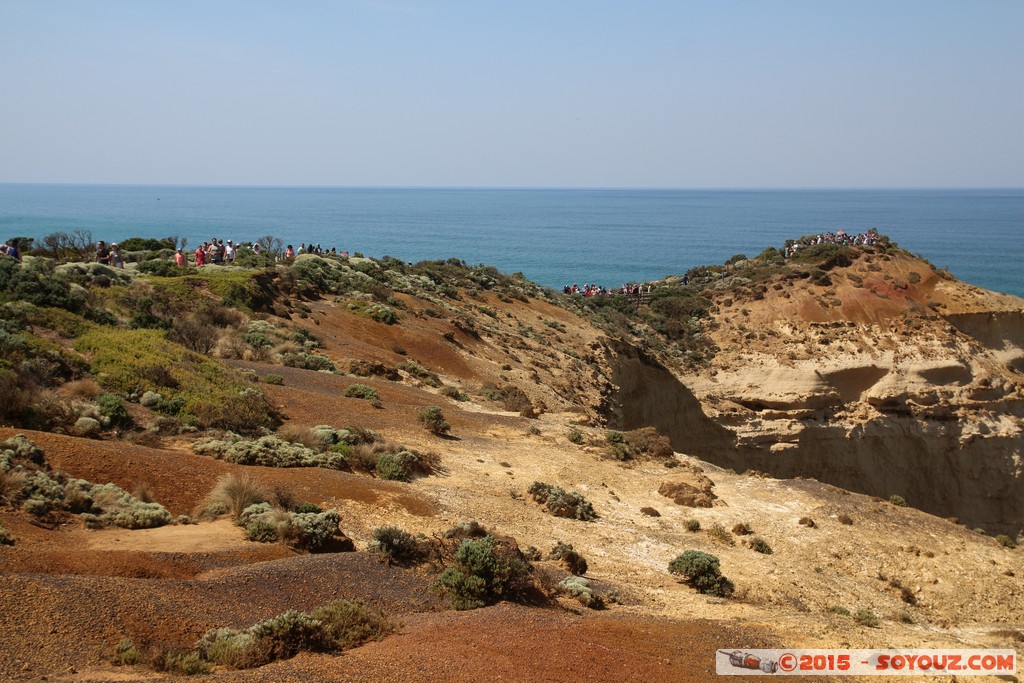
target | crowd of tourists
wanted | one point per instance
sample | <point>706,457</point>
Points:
<point>839,237</point>
<point>634,290</point>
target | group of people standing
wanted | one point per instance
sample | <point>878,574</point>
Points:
<point>630,289</point>
<point>109,256</point>
<point>839,237</point>
<point>10,249</point>
<point>216,251</point>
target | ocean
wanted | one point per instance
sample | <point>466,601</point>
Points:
<point>553,236</point>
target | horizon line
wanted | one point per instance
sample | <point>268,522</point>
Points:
<point>746,188</point>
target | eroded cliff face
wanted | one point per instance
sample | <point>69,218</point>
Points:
<point>913,388</point>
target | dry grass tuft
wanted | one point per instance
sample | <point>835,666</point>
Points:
<point>85,389</point>
<point>233,493</point>
<point>301,435</point>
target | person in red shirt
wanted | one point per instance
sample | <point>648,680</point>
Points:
<point>200,255</point>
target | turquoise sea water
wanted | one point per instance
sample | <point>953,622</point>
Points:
<point>552,236</point>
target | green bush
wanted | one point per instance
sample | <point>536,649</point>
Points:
<point>186,663</point>
<point>261,531</point>
<point>867,618</point>
<point>898,501</point>
<point>125,653</point>
<point>163,268</point>
<point>397,546</point>
<point>700,571</point>
<point>422,374</point>
<point>433,420</point>
<point>382,314</point>
<point>137,361</point>
<point>484,572</point>
<point>575,436</point>
<point>1005,541</point>
<point>561,503</point>
<point>274,379</point>
<point>308,361</point>
<point>454,393</point>
<point>362,391</point>
<point>112,408</point>
<point>394,466</point>
<point>760,545</point>
<point>146,244</point>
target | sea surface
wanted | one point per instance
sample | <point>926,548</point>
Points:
<point>553,236</point>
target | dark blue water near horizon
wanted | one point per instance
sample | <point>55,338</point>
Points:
<point>553,236</point>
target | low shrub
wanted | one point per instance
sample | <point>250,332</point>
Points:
<point>573,562</point>
<point>186,663</point>
<point>362,391</point>
<point>845,519</point>
<point>274,379</point>
<point>310,531</point>
<point>26,479</point>
<point>840,610</point>
<point>579,588</point>
<point>417,371</point>
<point>434,421</point>
<point>381,313</point>
<point>308,361</point>
<point>125,653</point>
<point>5,536</point>
<point>760,545</point>
<point>268,451</point>
<point>1005,541</point>
<point>454,393</point>
<point>395,545</point>
<point>110,505</point>
<point>691,525</point>
<point>867,618</point>
<point>561,503</point>
<point>333,627</point>
<point>112,408</point>
<point>483,573</point>
<point>701,571</point>
<point>898,501</point>
<point>719,533</point>
<point>366,368</point>
<point>741,529</point>
<point>575,436</point>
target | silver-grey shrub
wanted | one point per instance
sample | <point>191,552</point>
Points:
<point>269,451</point>
<point>579,588</point>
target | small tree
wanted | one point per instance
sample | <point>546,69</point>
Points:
<point>433,420</point>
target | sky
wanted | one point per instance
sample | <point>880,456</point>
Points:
<point>487,93</point>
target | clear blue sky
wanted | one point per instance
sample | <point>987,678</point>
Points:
<point>815,93</point>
